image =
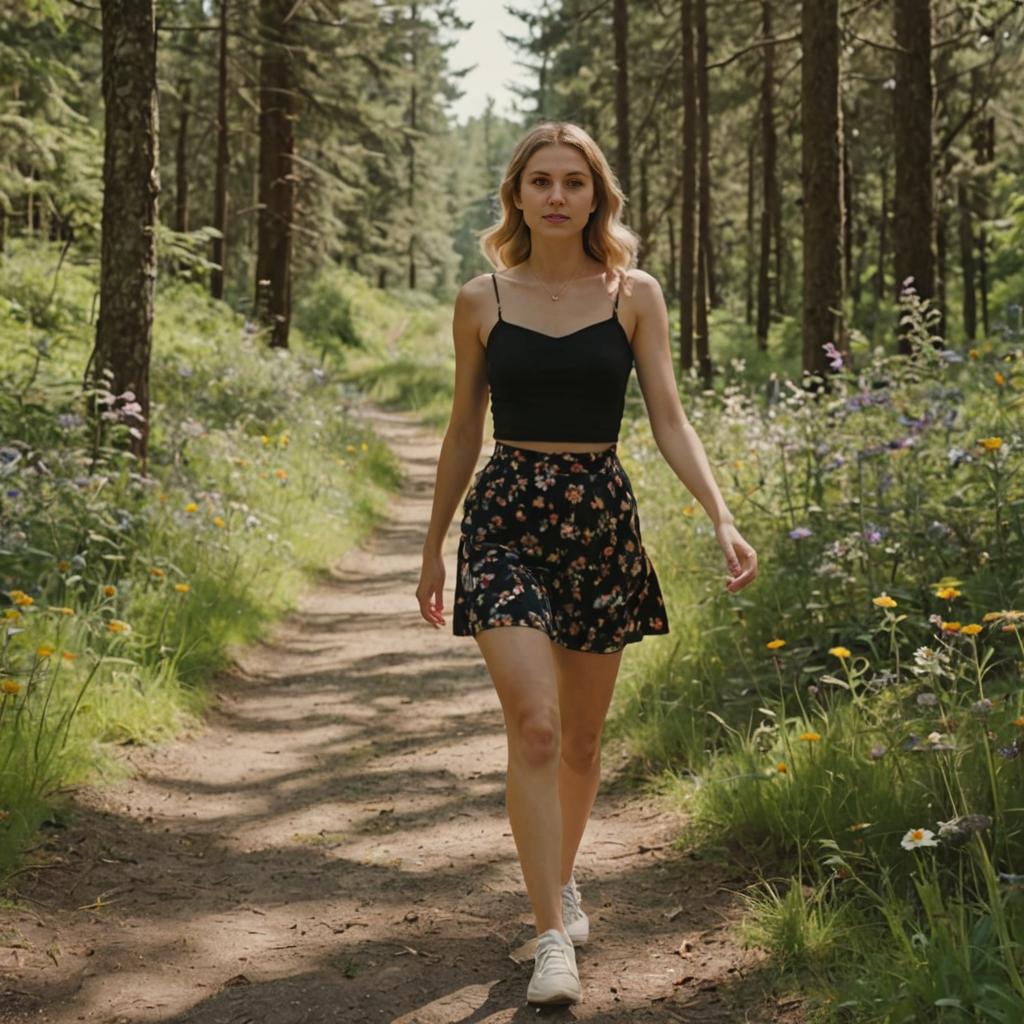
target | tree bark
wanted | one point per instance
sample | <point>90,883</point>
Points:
<point>914,198</point>
<point>688,242</point>
<point>131,182</point>
<point>821,173</point>
<point>768,184</point>
<point>181,159</point>
<point>704,188</point>
<point>220,182</point>
<point>620,29</point>
<point>277,175</point>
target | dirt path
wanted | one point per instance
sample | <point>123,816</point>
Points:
<point>332,845</point>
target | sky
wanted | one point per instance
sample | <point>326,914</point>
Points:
<point>482,45</point>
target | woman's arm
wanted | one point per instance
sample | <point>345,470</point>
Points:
<point>460,448</point>
<point>673,433</point>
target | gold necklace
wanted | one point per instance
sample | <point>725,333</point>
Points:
<point>558,294</point>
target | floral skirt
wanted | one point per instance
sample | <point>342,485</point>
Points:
<point>552,540</point>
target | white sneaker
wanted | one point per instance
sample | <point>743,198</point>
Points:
<point>555,978</point>
<point>577,924</point>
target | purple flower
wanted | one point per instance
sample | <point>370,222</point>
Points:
<point>874,534</point>
<point>800,533</point>
<point>878,751</point>
<point>835,357</point>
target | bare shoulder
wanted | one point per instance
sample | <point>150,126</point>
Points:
<point>471,306</point>
<point>641,287</point>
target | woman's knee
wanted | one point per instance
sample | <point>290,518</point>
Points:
<point>581,750</point>
<point>534,736</point>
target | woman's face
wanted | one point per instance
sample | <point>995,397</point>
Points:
<point>556,191</point>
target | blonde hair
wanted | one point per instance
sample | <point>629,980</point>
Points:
<point>605,237</point>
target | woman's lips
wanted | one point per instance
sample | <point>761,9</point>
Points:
<point>555,218</point>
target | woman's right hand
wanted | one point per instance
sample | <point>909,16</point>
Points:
<point>430,592</point>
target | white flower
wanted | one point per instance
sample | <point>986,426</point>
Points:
<point>935,737</point>
<point>918,837</point>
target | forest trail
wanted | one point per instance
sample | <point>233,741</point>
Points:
<point>331,846</point>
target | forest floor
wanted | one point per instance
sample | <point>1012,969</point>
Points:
<point>331,844</point>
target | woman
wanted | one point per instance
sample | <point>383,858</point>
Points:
<point>550,547</point>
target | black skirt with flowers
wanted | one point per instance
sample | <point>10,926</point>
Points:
<point>552,540</point>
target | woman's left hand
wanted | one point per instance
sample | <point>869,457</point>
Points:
<point>740,557</point>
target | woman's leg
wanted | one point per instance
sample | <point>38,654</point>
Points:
<point>586,682</point>
<point>522,668</point>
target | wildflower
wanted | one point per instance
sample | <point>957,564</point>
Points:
<point>918,837</point>
<point>800,532</point>
<point>283,440</point>
<point>774,645</point>
<point>950,627</point>
<point>281,474</point>
<point>218,522</point>
<point>158,573</point>
<point>781,768</point>
<point>927,700</point>
<point>958,831</point>
<point>350,447</point>
<point>63,565</point>
<point>68,655</point>
<point>947,593</point>
<point>877,752</point>
<point>689,510</point>
<point>860,826</point>
<point>264,439</point>
<point>1019,722</point>
<point>983,707</point>
<point>883,601</point>
<point>109,590</point>
<point>810,736</point>
<point>191,507</point>
<point>19,597</point>
<point>999,378</point>
<point>935,737</point>
<point>12,614</point>
<point>991,444</point>
<point>929,662</point>
<point>971,629</point>
<point>65,611</point>
<point>840,652</point>
<point>182,588</point>
<point>10,686</point>
<point>834,356</point>
<point>44,651</point>
<point>365,447</point>
<point>117,626</point>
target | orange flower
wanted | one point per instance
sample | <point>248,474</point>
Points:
<point>774,645</point>
<point>19,597</point>
<point>109,590</point>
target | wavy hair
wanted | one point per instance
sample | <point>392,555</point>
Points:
<point>605,237</point>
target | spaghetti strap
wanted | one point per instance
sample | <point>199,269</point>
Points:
<point>494,281</point>
<point>615,308</point>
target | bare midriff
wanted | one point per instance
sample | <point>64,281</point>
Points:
<point>558,446</point>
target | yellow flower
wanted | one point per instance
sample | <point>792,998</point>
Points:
<point>840,652</point>
<point>65,611</point>
<point>860,826</point>
<point>44,651</point>
<point>951,627</point>
<point>973,353</point>
<point>1019,722</point>
<point>12,614</point>
<point>774,645</point>
<point>109,590</point>
<point>281,474</point>
<point>999,378</point>
<point>810,736</point>
<point>117,626</point>
<point>68,655</point>
<point>164,497</point>
<point>191,507</point>
<point>365,446</point>
<point>63,565</point>
<point>350,447</point>
<point>883,601</point>
<point>264,439</point>
<point>689,510</point>
<point>10,686</point>
<point>158,573</point>
<point>182,588</point>
<point>283,440</point>
<point>781,768</point>
<point>991,443</point>
<point>947,593</point>
<point>19,597</point>
<point>217,521</point>
<point>972,629</point>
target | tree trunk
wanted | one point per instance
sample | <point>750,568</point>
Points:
<point>751,189</point>
<point>181,159</point>
<point>220,179</point>
<point>673,275</point>
<point>645,215</point>
<point>913,202</point>
<point>414,57</point>
<point>131,182</point>
<point>620,29</point>
<point>704,188</point>
<point>966,226</point>
<point>821,174</point>
<point>984,156</point>
<point>688,243</point>
<point>768,185</point>
<point>277,174</point>
<point>883,231</point>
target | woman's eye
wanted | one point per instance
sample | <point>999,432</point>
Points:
<point>543,181</point>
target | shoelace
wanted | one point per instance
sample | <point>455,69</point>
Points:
<point>546,950</point>
<point>571,901</point>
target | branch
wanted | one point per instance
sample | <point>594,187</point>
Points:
<point>793,37</point>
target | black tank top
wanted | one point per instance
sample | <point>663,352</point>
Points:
<point>566,388</point>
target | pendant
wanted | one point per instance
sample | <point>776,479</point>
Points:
<point>555,298</point>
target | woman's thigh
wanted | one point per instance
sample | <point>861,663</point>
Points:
<point>521,663</point>
<point>586,682</point>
